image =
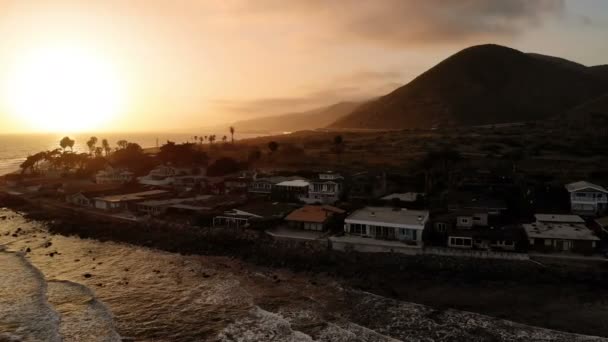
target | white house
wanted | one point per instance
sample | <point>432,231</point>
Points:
<point>587,199</point>
<point>291,190</point>
<point>111,175</point>
<point>326,189</point>
<point>385,223</point>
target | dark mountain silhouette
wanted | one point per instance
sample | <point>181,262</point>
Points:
<point>312,119</point>
<point>558,61</point>
<point>600,71</point>
<point>484,84</point>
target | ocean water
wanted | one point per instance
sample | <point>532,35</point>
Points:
<point>57,288</point>
<point>14,148</point>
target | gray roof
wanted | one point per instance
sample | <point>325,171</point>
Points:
<point>132,196</point>
<point>603,221</point>
<point>275,179</point>
<point>561,231</point>
<point>559,218</point>
<point>295,183</point>
<point>582,185</point>
<point>390,216</point>
<point>405,197</point>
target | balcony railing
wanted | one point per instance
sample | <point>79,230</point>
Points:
<point>588,200</point>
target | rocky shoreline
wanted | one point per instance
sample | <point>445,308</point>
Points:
<point>551,296</point>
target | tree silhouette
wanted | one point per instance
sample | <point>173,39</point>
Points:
<point>185,155</point>
<point>232,133</point>
<point>443,160</point>
<point>91,144</point>
<point>52,157</point>
<point>211,138</point>
<point>122,144</point>
<point>106,146</point>
<point>98,151</point>
<point>224,138</point>
<point>273,146</point>
<point>66,142</point>
<point>32,161</point>
<point>254,156</point>
<point>338,145</point>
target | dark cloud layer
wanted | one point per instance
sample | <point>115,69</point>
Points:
<point>403,22</point>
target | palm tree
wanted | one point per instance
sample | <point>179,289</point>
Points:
<point>206,137</point>
<point>211,139</point>
<point>106,146</point>
<point>91,144</point>
<point>232,133</point>
<point>200,140</point>
<point>195,138</point>
<point>224,138</point>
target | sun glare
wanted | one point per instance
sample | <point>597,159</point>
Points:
<point>64,90</point>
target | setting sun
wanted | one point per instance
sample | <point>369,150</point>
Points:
<point>63,89</point>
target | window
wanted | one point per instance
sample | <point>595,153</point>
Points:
<point>441,227</point>
<point>460,242</point>
<point>358,229</point>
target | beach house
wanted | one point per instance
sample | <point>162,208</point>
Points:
<point>587,199</point>
<point>560,233</point>
<point>385,223</point>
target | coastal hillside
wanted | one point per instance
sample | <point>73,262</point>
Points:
<point>486,84</point>
<point>291,122</point>
<point>590,118</point>
<point>600,71</point>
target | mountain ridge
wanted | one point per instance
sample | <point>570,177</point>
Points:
<point>483,84</point>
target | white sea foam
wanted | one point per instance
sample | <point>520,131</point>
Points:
<point>24,310</point>
<point>83,317</point>
<point>261,325</point>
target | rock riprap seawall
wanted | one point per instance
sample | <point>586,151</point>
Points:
<point>160,296</point>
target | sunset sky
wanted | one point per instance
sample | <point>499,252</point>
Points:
<point>153,65</point>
